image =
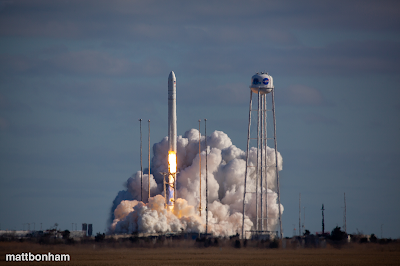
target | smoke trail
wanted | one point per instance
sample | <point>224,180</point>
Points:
<point>226,169</point>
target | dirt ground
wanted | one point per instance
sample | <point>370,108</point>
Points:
<point>96,254</point>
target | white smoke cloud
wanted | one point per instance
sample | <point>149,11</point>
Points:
<point>225,168</point>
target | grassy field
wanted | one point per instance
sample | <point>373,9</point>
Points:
<point>117,254</point>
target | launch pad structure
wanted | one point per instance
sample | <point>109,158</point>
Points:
<point>261,84</point>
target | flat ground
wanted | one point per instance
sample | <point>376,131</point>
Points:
<point>95,254</point>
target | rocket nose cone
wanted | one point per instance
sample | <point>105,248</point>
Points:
<point>171,75</point>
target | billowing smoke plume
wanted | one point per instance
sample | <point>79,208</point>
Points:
<point>226,168</point>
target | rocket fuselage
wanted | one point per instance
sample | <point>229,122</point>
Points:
<point>172,136</point>
<point>172,112</point>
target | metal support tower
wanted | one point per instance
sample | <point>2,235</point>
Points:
<point>200,168</point>
<point>261,167</point>
<point>304,219</point>
<point>344,215</point>
<point>276,166</point>
<point>323,220</point>
<point>299,214</point>
<point>149,163</point>
<point>205,140</point>
<point>141,163</point>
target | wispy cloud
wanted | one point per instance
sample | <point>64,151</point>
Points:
<point>301,95</point>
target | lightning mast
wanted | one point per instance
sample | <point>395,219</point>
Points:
<point>299,214</point>
<point>323,220</point>
<point>149,162</point>
<point>200,167</point>
<point>141,164</point>
<point>344,216</point>
<point>205,136</point>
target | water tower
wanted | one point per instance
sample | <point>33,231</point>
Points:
<point>262,85</point>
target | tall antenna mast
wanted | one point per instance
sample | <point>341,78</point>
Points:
<point>149,162</point>
<point>247,162</point>
<point>299,214</point>
<point>205,136</point>
<point>200,166</point>
<point>345,225</point>
<point>323,220</point>
<point>141,163</point>
<point>276,166</point>
<point>304,219</point>
<point>257,162</point>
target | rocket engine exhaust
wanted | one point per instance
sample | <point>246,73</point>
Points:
<point>172,137</point>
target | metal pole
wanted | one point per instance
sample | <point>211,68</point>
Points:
<point>165,189</point>
<point>276,165</point>
<point>299,214</point>
<point>247,162</point>
<point>323,220</point>
<point>345,225</point>
<point>258,148</point>
<point>141,163</point>
<point>149,163</point>
<point>205,136</point>
<point>200,165</point>
<point>175,188</point>
<point>304,219</point>
<point>261,160</point>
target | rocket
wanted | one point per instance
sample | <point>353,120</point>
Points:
<point>172,112</point>
<point>172,137</point>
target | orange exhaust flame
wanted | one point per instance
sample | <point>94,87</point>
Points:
<point>172,162</point>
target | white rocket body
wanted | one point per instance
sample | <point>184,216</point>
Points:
<point>172,112</point>
<point>172,137</point>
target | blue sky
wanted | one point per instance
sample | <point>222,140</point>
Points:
<point>75,77</point>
